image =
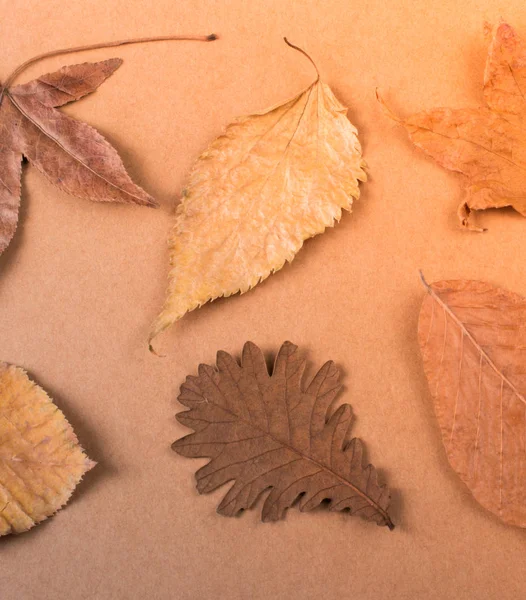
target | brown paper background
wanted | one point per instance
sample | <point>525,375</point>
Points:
<point>81,283</point>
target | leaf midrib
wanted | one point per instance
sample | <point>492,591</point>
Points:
<point>64,149</point>
<point>464,139</point>
<point>473,340</point>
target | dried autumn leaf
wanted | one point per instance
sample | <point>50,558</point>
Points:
<point>486,144</point>
<point>271,432</point>
<point>270,182</point>
<point>41,461</point>
<point>473,343</point>
<point>71,154</point>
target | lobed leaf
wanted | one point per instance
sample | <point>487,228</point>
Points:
<point>487,144</point>
<point>270,432</point>
<point>71,154</point>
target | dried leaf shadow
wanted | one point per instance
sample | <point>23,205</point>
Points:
<point>106,468</point>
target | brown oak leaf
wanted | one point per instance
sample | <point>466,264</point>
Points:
<point>486,144</point>
<point>473,343</point>
<point>271,181</point>
<point>272,432</point>
<point>41,461</point>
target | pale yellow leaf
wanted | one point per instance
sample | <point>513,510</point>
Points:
<point>270,182</point>
<point>41,461</point>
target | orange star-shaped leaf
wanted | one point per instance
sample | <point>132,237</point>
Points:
<point>486,144</point>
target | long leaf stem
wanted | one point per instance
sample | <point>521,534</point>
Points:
<point>191,38</point>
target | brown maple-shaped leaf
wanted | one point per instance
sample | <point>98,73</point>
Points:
<point>473,343</point>
<point>41,461</point>
<point>486,144</point>
<point>70,153</point>
<point>271,432</point>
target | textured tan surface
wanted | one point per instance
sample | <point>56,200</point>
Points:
<point>41,461</point>
<point>82,282</point>
<point>473,344</point>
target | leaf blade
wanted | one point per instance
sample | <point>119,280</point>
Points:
<point>473,346</point>
<point>486,144</point>
<point>41,461</point>
<point>271,181</point>
<point>277,454</point>
<point>69,83</point>
<point>505,74</point>
<point>74,156</point>
<point>10,191</point>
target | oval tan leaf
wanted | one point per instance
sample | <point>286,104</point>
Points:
<point>473,342</point>
<point>270,182</point>
<point>41,461</point>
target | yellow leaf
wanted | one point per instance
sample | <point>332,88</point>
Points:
<point>41,461</point>
<point>270,182</point>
